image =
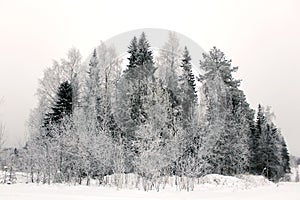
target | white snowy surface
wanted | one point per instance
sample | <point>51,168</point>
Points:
<point>47,192</point>
<point>210,187</point>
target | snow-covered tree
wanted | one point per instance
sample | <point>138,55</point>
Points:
<point>70,70</point>
<point>103,72</point>
<point>91,148</point>
<point>228,115</point>
<point>285,158</point>
<point>63,106</point>
<point>148,120</point>
<point>110,72</point>
<point>187,88</point>
<point>268,151</point>
<point>168,62</point>
<point>168,68</point>
<point>157,145</point>
<point>134,89</point>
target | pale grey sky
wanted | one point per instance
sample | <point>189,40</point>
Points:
<point>261,37</point>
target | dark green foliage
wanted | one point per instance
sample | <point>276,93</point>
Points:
<point>254,142</point>
<point>268,149</point>
<point>133,50</point>
<point>141,65</point>
<point>285,158</point>
<point>62,106</point>
<point>139,74</point>
<point>144,54</point>
<point>270,154</point>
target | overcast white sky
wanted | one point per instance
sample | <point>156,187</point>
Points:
<point>261,37</point>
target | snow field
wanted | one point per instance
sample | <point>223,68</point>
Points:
<point>210,187</point>
<point>57,192</point>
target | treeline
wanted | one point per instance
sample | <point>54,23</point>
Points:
<point>156,118</point>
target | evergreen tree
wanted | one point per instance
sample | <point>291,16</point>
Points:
<point>145,59</point>
<point>192,162</point>
<point>285,157</point>
<point>141,64</point>
<point>139,73</point>
<point>228,115</point>
<point>215,63</point>
<point>267,158</point>
<point>62,106</point>
<point>271,153</point>
<point>255,166</point>
<point>187,87</point>
<point>130,71</point>
<point>134,93</point>
<point>56,123</point>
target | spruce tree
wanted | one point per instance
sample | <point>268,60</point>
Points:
<point>62,106</point>
<point>135,89</point>
<point>187,87</point>
<point>270,153</point>
<point>255,164</point>
<point>267,154</point>
<point>145,59</point>
<point>130,71</point>
<point>285,158</point>
<point>138,75</point>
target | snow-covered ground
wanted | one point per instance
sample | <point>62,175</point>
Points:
<point>50,192</point>
<point>210,187</point>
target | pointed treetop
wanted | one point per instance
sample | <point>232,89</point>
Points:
<point>141,62</point>
<point>144,53</point>
<point>133,45</point>
<point>132,50</point>
<point>186,56</point>
<point>188,76</point>
<point>62,106</point>
<point>94,60</point>
<point>143,40</point>
<point>215,64</point>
